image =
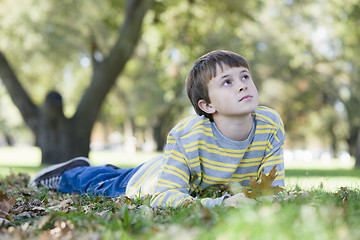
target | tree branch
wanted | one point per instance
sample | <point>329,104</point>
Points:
<point>106,73</point>
<point>19,96</point>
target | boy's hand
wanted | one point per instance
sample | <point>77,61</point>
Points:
<point>238,200</point>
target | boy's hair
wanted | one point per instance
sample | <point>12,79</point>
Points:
<point>204,70</point>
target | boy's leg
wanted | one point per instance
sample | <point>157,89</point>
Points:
<point>100,180</point>
<point>49,177</point>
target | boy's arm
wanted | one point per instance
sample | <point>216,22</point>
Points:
<point>274,156</point>
<point>173,186</point>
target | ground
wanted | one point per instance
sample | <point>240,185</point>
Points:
<point>317,204</point>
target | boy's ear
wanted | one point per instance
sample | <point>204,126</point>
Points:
<point>206,107</point>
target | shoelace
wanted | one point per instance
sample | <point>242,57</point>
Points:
<point>51,183</point>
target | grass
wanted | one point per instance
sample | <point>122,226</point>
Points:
<point>316,214</point>
<point>28,159</point>
<point>318,204</point>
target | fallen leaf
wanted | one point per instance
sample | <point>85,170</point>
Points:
<point>343,195</point>
<point>263,188</point>
<point>6,204</point>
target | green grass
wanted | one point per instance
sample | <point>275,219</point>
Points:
<point>316,214</point>
<point>318,204</point>
<point>330,179</point>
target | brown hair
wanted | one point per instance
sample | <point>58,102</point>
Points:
<point>204,70</point>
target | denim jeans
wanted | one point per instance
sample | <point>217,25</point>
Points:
<point>96,181</point>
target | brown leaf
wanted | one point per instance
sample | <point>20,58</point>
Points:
<point>5,204</point>
<point>263,188</point>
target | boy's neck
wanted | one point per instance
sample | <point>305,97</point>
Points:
<point>234,128</point>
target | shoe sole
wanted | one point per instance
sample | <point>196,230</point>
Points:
<point>33,183</point>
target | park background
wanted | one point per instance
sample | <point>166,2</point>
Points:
<point>107,79</point>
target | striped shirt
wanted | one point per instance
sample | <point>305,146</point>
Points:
<point>197,157</point>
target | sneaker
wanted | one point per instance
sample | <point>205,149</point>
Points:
<point>50,177</point>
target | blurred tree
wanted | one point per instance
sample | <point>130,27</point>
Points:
<point>309,54</point>
<point>58,136</point>
<point>346,26</point>
<point>179,33</point>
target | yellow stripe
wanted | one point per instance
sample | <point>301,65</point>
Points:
<point>279,177</point>
<point>256,148</point>
<point>218,163</point>
<point>182,124</point>
<point>259,116</point>
<point>214,182</point>
<point>146,174</point>
<point>275,113</point>
<point>208,129</point>
<point>176,156</point>
<point>204,200</point>
<point>187,122</point>
<point>201,142</point>
<point>197,131</point>
<point>215,151</point>
<point>274,157</point>
<point>195,165</point>
<point>281,173</point>
<point>177,174</point>
<point>218,168</point>
<point>251,160</point>
<point>165,185</point>
<point>269,164</point>
<point>159,197</point>
<point>260,145</point>
<point>171,141</point>
<point>170,183</point>
<point>177,170</point>
<point>252,174</point>
<point>264,131</point>
<point>169,200</point>
<point>267,126</point>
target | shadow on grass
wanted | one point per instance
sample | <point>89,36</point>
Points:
<point>322,173</point>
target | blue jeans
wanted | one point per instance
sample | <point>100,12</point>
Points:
<point>96,181</point>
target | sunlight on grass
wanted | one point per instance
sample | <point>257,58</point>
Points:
<point>326,183</point>
<point>20,156</point>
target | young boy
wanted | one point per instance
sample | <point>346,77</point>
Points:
<point>230,140</point>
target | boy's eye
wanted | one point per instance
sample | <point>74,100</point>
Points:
<point>226,82</point>
<point>245,77</point>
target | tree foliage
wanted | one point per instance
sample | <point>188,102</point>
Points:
<point>304,58</point>
<point>58,136</point>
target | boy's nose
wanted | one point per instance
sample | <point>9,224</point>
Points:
<point>242,87</point>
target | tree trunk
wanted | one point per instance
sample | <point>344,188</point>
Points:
<point>354,144</point>
<point>357,150</point>
<point>333,140</point>
<point>61,138</point>
<point>58,137</point>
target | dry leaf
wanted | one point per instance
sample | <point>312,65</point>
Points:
<point>5,204</point>
<point>263,188</point>
<point>343,194</point>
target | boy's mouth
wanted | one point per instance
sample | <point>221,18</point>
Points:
<point>247,97</point>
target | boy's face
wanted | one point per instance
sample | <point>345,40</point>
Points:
<point>232,92</point>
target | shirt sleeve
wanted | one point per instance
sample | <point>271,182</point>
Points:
<point>274,155</point>
<point>173,186</point>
